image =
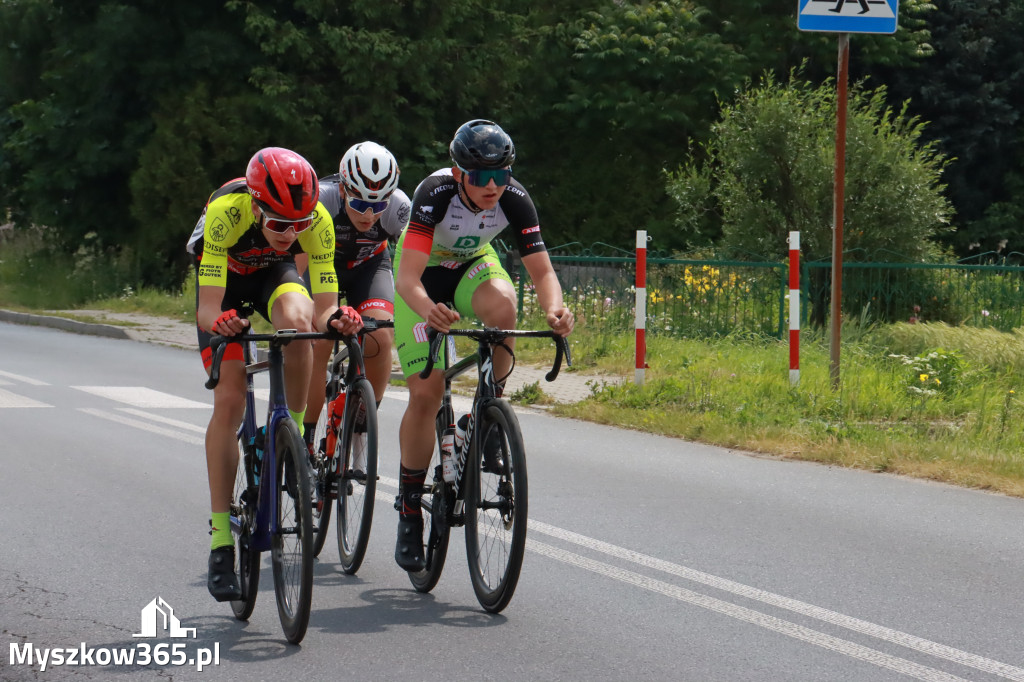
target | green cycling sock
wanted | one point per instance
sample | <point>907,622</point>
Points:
<point>298,417</point>
<point>220,533</point>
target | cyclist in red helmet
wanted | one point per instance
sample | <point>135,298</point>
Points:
<point>246,242</point>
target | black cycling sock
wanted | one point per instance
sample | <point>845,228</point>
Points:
<point>410,488</point>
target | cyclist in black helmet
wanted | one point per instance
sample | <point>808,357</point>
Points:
<point>445,256</point>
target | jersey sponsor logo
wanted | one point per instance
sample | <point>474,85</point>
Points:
<point>441,188</point>
<point>477,269</point>
<point>261,256</point>
<point>209,271</point>
<point>467,242</point>
<point>450,264</point>
<point>419,332</point>
<point>327,278</point>
<point>373,303</point>
<point>515,190</point>
<point>218,230</point>
<point>531,230</point>
<point>326,239</point>
<point>403,213</point>
<point>322,257</point>
<point>425,213</point>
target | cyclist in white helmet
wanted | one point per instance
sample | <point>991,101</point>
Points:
<point>368,209</point>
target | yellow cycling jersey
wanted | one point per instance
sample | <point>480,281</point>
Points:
<point>233,241</point>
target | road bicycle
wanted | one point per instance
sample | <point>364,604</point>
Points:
<point>271,508</point>
<point>486,490</point>
<point>345,457</point>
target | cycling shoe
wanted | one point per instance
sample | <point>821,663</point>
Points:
<point>492,453</point>
<point>409,548</point>
<point>222,581</point>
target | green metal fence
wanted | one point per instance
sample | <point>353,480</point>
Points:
<point>701,297</point>
<point>969,292</point>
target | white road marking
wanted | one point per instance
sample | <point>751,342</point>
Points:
<point>770,622</point>
<point>784,627</point>
<point>848,622</point>
<point>145,426</point>
<point>23,379</point>
<point>177,423</point>
<point>140,396</point>
<point>8,399</point>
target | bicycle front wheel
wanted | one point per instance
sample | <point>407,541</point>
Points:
<point>436,502</point>
<point>357,458</point>
<point>291,548</point>
<point>496,506</point>
<point>243,512</point>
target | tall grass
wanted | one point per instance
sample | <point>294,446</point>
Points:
<point>958,422</point>
<point>37,272</point>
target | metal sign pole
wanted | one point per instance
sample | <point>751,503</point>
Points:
<point>837,209</point>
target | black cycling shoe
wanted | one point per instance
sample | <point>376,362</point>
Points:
<point>222,581</point>
<point>409,548</point>
<point>492,452</point>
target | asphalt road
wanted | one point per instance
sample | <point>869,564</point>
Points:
<point>648,558</point>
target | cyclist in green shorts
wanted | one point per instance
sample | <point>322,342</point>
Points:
<point>445,258</point>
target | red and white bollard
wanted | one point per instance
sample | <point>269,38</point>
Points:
<point>641,306</point>
<point>794,308</point>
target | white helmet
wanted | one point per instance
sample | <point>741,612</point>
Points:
<point>369,172</point>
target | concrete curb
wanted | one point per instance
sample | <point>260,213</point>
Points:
<point>90,328</point>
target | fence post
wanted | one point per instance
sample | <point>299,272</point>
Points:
<point>641,306</point>
<point>794,308</point>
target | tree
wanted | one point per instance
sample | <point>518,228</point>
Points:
<point>970,90</point>
<point>770,167</point>
<point>107,71</point>
<point>615,94</point>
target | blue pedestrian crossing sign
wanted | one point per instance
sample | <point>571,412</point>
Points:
<point>848,16</point>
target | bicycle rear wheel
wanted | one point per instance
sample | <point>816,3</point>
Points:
<point>357,458</point>
<point>436,503</point>
<point>243,513</point>
<point>496,507</point>
<point>327,472</point>
<point>291,547</point>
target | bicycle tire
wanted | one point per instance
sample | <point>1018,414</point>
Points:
<point>496,508</point>
<point>247,563</point>
<point>291,548</point>
<point>435,501</point>
<point>356,493</point>
<point>323,497</point>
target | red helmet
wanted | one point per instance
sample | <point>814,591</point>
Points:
<point>283,183</point>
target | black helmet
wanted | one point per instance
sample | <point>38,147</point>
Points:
<point>482,145</point>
